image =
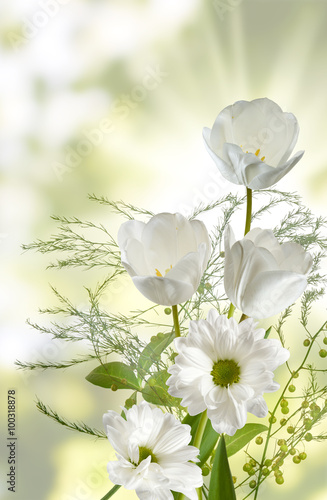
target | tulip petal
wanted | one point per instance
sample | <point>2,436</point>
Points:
<point>230,265</point>
<point>188,269</point>
<point>201,235</point>
<point>295,258</point>
<point>248,262</point>
<point>246,129</point>
<point>273,175</point>
<point>241,162</point>
<point>226,169</point>
<point>266,238</point>
<point>261,124</point>
<point>289,130</point>
<point>166,238</point>
<point>271,292</point>
<point>163,291</point>
<point>132,229</point>
<point>133,258</point>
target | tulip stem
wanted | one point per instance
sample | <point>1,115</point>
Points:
<point>176,322</point>
<point>248,210</point>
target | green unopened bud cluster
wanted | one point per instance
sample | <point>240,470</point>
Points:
<point>298,458</point>
<point>284,406</point>
<point>250,466</point>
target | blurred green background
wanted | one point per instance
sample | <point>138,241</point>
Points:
<point>110,97</point>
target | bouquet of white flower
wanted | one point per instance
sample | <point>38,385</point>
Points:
<point>212,363</point>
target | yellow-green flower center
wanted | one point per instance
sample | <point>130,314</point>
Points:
<point>225,372</point>
<point>144,453</point>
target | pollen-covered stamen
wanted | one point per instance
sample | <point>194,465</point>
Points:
<point>158,273</point>
<point>225,372</point>
<point>257,154</point>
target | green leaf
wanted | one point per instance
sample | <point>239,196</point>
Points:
<point>221,482</point>
<point>268,332</point>
<point>151,353</point>
<point>242,437</point>
<point>155,390</point>
<point>209,440</point>
<point>193,422</point>
<point>115,373</point>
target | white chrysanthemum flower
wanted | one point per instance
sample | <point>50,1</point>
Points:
<point>153,453</point>
<point>225,367</point>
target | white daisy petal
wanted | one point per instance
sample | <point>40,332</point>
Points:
<point>233,378</point>
<point>154,457</point>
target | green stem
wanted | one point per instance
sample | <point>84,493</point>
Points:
<point>200,430</point>
<point>176,322</point>
<point>111,492</point>
<point>231,311</point>
<point>196,443</point>
<point>248,210</point>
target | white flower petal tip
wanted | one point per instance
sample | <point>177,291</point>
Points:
<point>225,367</point>
<point>153,453</point>
<point>251,142</point>
<point>166,257</point>
<point>261,276</point>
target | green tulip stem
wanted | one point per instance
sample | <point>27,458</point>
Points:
<point>176,322</point>
<point>111,492</point>
<point>231,311</point>
<point>248,210</point>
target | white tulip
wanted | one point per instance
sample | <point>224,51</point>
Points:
<point>262,277</point>
<point>166,257</point>
<point>251,142</point>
